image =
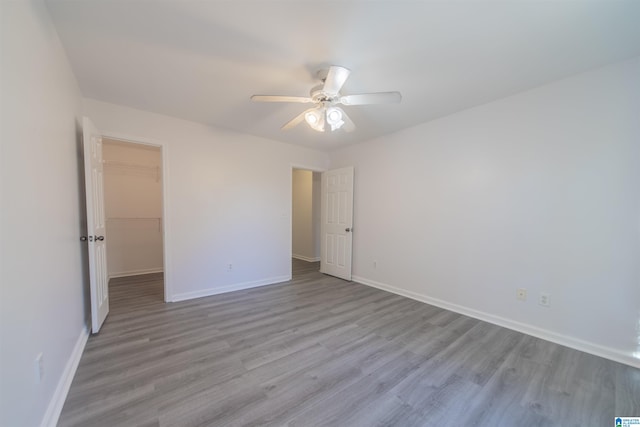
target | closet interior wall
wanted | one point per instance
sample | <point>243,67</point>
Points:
<point>305,222</point>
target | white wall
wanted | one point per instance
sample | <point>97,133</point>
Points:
<point>43,297</point>
<point>539,191</point>
<point>133,208</point>
<point>306,215</point>
<point>228,199</point>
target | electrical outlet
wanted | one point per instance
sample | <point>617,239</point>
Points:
<point>545,300</point>
<point>229,267</point>
<point>375,264</point>
<point>521,294</point>
<point>39,368</point>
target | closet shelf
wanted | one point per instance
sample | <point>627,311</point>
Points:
<point>136,218</point>
<point>129,164</point>
<point>132,168</point>
<point>155,219</point>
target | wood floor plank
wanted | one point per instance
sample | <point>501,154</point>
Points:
<point>627,391</point>
<point>322,351</point>
<point>352,403</point>
<point>290,395</point>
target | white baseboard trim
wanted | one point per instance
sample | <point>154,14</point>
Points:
<point>305,258</point>
<point>567,341</point>
<point>56,403</point>
<point>230,288</point>
<point>135,272</point>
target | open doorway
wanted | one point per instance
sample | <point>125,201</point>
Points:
<point>133,206</point>
<point>305,220</point>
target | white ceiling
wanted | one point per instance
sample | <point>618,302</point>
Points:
<point>202,60</point>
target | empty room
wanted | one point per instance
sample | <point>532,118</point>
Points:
<point>320,213</point>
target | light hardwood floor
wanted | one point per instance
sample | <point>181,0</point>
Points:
<point>321,351</point>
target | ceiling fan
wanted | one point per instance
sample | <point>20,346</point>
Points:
<point>326,114</point>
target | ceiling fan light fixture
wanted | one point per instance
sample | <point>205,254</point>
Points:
<point>314,119</point>
<point>334,118</point>
<point>333,115</point>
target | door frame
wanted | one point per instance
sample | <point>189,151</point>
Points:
<point>166,235</point>
<point>292,167</point>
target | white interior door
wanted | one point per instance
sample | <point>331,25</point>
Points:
<point>336,222</point>
<point>94,185</point>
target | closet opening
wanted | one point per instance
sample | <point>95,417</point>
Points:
<point>133,180</point>
<point>305,220</point>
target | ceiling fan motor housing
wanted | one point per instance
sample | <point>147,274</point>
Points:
<point>318,95</point>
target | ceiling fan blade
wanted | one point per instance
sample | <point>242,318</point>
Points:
<point>335,79</point>
<point>279,98</point>
<point>371,98</point>
<point>295,121</point>
<point>348,125</point>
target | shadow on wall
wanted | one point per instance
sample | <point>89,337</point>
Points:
<point>82,229</point>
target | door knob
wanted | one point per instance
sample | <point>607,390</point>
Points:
<point>83,238</point>
<point>99,238</point>
<point>348,229</point>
